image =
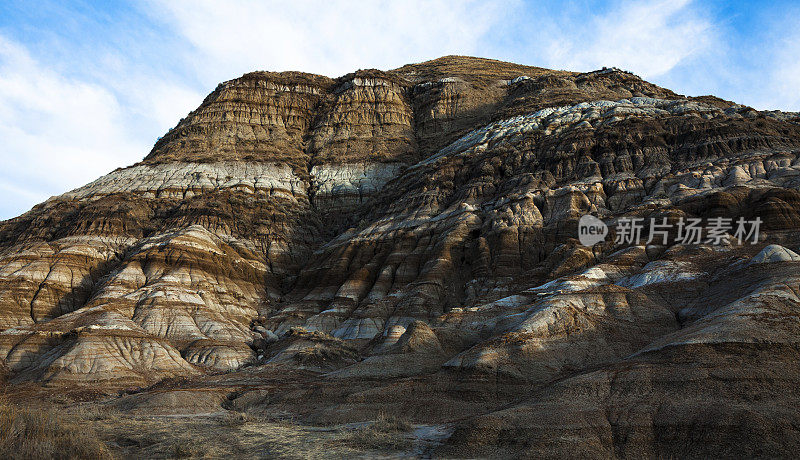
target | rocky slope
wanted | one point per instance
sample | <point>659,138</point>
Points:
<point>422,223</point>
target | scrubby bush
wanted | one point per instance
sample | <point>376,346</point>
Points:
<point>27,433</point>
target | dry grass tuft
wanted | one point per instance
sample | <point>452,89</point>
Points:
<point>387,432</point>
<point>184,449</point>
<point>234,419</point>
<point>40,433</point>
<point>391,424</point>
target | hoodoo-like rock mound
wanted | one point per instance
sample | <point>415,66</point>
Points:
<point>419,226</point>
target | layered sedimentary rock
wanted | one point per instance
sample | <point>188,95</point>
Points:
<point>707,387</point>
<point>390,224</point>
<point>259,116</point>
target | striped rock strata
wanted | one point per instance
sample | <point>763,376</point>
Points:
<point>445,193</point>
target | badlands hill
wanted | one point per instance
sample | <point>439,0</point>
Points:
<point>406,242</point>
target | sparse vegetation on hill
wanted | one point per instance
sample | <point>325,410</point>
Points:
<point>39,433</point>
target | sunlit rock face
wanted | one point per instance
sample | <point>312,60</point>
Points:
<point>415,221</point>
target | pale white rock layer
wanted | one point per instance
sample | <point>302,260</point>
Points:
<point>352,179</point>
<point>553,120</point>
<point>184,180</point>
<point>661,271</point>
<point>349,181</point>
<point>775,253</point>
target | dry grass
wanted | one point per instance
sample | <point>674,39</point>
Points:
<point>387,432</point>
<point>234,419</point>
<point>27,433</point>
<point>94,431</point>
<point>391,424</point>
<point>184,449</point>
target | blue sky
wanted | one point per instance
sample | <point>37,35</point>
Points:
<point>88,87</point>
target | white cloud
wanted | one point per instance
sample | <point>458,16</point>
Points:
<point>784,80</point>
<point>58,133</point>
<point>647,37</point>
<point>330,38</point>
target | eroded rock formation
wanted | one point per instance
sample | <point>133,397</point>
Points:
<point>424,221</point>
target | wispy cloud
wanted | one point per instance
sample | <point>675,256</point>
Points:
<point>330,38</point>
<point>60,132</point>
<point>779,85</point>
<point>57,133</point>
<point>645,36</point>
<point>748,52</point>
